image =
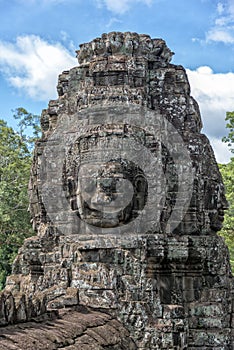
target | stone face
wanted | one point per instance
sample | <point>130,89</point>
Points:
<point>126,199</point>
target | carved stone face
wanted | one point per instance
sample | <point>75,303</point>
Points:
<point>136,176</point>
<point>105,193</point>
<point>110,194</point>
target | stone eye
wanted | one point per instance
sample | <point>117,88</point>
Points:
<point>108,184</point>
<point>90,185</point>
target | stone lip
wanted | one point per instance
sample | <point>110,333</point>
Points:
<point>128,44</point>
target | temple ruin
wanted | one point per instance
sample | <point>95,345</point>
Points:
<point>126,201</point>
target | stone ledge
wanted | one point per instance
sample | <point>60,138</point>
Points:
<point>77,328</point>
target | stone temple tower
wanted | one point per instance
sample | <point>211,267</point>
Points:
<point>126,200</point>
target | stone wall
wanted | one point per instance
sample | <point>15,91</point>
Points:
<point>126,199</point>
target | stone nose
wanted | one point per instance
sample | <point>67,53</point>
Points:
<point>104,192</point>
<point>100,197</point>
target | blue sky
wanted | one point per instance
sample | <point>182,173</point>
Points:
<point>38,39</point>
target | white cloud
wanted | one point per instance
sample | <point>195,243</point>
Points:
<point>64,35</point>
<point>65,38</point>
<point>231,7</point>
<point>214,92</point>
<point>121,6</point>
<point>223,28</point>
<point>42,2</point>
<point>222,153</point>
<point>220,8</point>
<point>112,21</point>
<point>32,65</point>
<point>222,35</point>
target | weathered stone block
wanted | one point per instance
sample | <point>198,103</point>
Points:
<point>97,298</point>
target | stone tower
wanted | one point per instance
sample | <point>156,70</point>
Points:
<point>126,199</point>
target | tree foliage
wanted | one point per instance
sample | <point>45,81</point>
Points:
<point>28,126</point>
<point>227,171</point>
<point>15,162</point>
<point>230,126</point>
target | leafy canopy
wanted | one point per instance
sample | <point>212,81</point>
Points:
<point>227,171</point>
<point>15,162</point>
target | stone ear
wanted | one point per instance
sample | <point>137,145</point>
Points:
<point>72,187</point>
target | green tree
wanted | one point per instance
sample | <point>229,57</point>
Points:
<point>15,162</point>
<point>29,128</point>
<point>227,171</point>
<point>230,126</point>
